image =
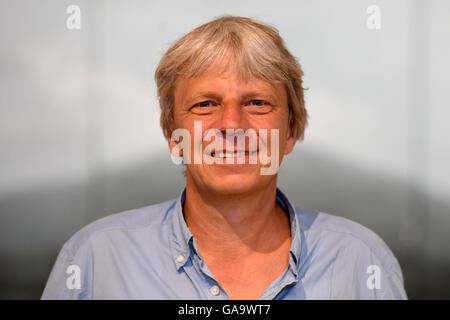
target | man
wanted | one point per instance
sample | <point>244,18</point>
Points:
<point>232,106</point>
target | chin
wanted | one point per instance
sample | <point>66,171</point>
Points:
<point>228,182</point>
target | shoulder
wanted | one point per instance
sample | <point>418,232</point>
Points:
<point>345,237</point>
<point>126,221</point>
<point>94,249</point>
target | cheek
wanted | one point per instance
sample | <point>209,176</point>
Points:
<point>275,137</point>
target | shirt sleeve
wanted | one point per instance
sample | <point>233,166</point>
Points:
<point>394,288</point>
<point>383,279</point>
<point>71,275</point>
<point>367,273</point>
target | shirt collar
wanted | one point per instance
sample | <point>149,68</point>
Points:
<point>296,237</point>
<point>182,236</point>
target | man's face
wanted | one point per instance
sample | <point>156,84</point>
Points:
<point>226,102</point>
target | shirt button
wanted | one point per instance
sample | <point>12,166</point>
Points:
<point>214,290</point>
<point>180,258</point>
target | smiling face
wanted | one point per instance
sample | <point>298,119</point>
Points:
<point>223,101</point>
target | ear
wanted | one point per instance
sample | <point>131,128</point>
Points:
<point>172,144</point>
<point>289,145</point>
<point>290,142</point>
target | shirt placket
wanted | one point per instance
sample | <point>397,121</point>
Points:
<point>212,288</point>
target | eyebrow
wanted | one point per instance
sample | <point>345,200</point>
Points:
<point>204,94</point>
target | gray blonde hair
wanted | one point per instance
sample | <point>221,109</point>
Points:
<point>251,48</point>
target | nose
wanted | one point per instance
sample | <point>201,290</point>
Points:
<point>231,117</point>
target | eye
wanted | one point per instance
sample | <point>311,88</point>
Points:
<point>204,104</point>
<point>258,102</point>
<point>204,107</point>
<point>258,106</point>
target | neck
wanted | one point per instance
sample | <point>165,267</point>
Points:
<point>236,224</point>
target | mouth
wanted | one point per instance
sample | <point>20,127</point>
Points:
<point>235,154</point>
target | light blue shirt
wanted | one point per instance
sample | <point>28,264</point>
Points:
<point>149,253</point>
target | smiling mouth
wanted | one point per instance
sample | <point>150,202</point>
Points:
<point>236,154</point>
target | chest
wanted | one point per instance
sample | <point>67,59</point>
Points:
<point>248,277</point>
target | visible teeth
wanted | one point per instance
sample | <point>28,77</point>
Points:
<point>221,154</point>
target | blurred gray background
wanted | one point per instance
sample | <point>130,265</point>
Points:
<point>80,136</point>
